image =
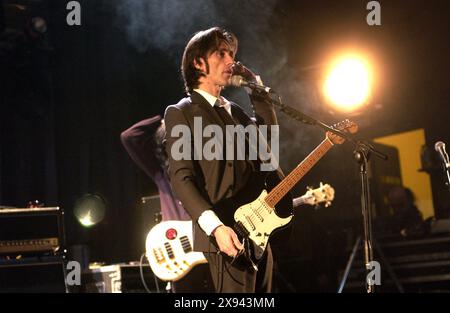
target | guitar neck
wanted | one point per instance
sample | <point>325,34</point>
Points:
<point>294,177</point>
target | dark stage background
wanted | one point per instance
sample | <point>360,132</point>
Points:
<point>66,97</point>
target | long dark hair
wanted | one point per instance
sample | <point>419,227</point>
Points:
<point>201,45</point>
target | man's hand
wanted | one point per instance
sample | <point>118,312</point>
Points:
<point>227,240</point>
<point>239,69</point>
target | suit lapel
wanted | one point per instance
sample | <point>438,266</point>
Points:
<point>239,115</point>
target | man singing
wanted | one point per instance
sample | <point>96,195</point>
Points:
<point>201,183</point>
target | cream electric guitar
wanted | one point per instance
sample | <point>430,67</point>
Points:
<point>169,243</point>
<point>256,220</point>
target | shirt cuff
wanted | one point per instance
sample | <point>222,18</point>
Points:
<point>209,221</point>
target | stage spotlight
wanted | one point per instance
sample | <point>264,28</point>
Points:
<point>348,85</point>
<point>90,210</point>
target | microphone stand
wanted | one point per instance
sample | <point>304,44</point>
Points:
<point>447,176</point>
<point>361,154</point>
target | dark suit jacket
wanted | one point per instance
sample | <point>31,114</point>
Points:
<point>200,184</point>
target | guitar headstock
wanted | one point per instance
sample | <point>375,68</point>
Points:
<point>345,126</point>
<point>325,193</point>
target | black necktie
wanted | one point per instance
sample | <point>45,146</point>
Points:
<point>229,120</point>
<point>224,115</point>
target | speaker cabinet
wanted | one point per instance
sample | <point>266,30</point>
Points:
<point>33,275</point>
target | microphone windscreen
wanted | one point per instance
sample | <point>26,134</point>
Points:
<point>236,80</point>
<point>438,145</point>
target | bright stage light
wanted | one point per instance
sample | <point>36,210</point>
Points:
<point>348,84</point>
<point>90,210</point>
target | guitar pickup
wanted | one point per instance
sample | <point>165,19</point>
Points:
<point>169,250</point>
<point>186,244</point>
<point>249,221</point>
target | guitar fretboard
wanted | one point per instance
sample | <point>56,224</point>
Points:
<point>294,177</point>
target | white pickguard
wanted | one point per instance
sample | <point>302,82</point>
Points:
<point>260,220</point>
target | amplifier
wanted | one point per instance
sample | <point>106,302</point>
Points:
<point>31,231</point>
<point>148,215</point>
<point>29,245</point>
<point>120,278</point>
<point>33,275</point>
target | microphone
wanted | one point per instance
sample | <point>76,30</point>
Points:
<point>239,81</point>
<point>440,148</point>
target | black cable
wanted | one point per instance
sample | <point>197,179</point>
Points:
<point>156,283</point>
<point>142,276</point>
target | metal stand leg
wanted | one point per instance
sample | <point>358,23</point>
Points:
<point>349,265</point>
